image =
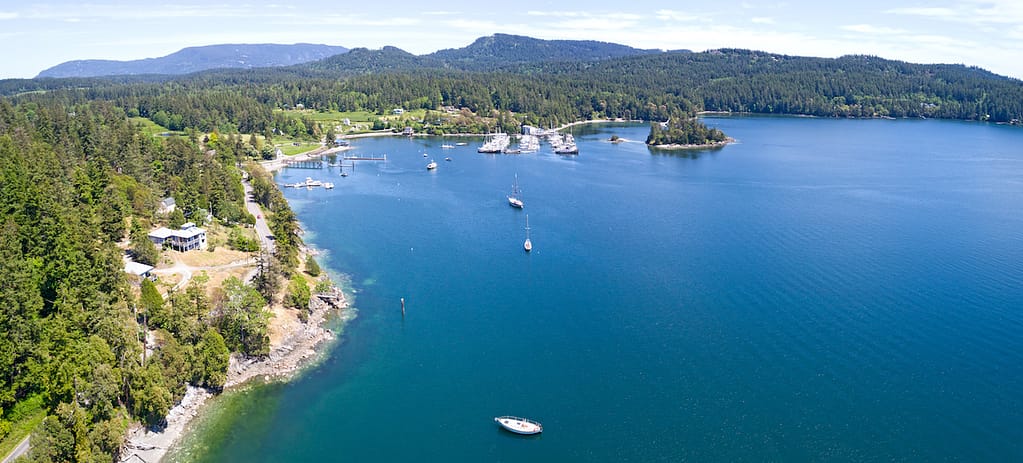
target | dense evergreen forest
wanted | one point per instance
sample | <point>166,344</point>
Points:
<point>80,184</point>
<point>645,86</point>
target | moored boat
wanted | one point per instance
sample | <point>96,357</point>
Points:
<point>513,198</point>
<point>432,165</point>
<point>528,245</point>
<point>519,425</point>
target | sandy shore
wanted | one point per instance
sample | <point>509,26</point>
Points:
<point>296,351</point>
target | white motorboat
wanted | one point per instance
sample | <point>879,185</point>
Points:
<point>519,425</point>
<point>432,165</point>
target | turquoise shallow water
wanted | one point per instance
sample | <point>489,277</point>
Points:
<point>821,290</point>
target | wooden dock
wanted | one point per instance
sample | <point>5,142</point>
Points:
<point>365,158</point>
<point>304,163</point>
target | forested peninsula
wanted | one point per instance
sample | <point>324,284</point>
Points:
<point>87,349</point>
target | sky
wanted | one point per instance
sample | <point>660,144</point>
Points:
<point>35,35</point>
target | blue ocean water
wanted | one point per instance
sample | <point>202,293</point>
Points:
<point>821,290</point>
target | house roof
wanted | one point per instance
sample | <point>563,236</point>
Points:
<point>189,233</point>
<point>168,201</point>
<point>137,268</point>
<point>162,233</point>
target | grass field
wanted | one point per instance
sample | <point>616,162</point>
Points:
<point>290,149</point>
<point>364,119</point>
<point>150,128</point>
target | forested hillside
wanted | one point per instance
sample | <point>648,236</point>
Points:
<point>80,184</point>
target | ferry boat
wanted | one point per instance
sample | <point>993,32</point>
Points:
<point>513,198</point>
<point>432,165</point>
<point>519,425</point>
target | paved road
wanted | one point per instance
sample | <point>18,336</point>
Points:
<point>18,451</point>
<point>262,229</point>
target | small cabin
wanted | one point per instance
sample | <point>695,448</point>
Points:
<point>398,111</point>
<point>138,269</point>
<point>166,206</point>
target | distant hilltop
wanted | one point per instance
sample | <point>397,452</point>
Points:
<point>194,59</point>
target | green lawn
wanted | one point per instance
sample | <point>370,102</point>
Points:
<point>290,149</point>
<point>150,128</point>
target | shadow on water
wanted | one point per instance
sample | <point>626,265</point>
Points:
<point>686,153</point>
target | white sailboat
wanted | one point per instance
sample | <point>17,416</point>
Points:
<point>519,425</point>
<point>513,198</point>
<point>528,245</point>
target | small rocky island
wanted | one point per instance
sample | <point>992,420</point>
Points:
<point>685,132</point>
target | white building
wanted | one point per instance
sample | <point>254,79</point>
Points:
<point>167,206</point>
<point>189,237</point>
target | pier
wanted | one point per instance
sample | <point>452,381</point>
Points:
<point>365,158</point>
<point>303,163</point>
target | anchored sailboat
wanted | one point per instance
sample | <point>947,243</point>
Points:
<point>528,245</point>
<point>513,198</point>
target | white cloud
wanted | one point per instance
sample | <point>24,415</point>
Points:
<point>8,15</point>
<point>762,20</point>
<point>873,30</point>
<point>930,12</point>
<point>680,16</point>
<point>569,14</point>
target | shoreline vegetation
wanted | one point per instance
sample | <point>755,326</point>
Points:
<point>296,347</point>
<point>299,349</point>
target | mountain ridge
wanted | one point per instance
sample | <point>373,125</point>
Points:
<point>201,58</point>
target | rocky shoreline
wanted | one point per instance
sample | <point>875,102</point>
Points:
<point>298,350</point>
<point>719,144</point>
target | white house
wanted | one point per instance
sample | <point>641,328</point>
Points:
<point>187,238</point>
<point>167,205</point>
<point>398,111</point>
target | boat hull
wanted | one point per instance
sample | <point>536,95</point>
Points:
<point>518,425</point>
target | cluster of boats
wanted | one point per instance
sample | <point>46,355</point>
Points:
<point>528,143</point>
<point>564,144</point>
<point>496,143</point>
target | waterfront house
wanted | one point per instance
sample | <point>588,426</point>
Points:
<point>408,131</point>
<point>187,238</point>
